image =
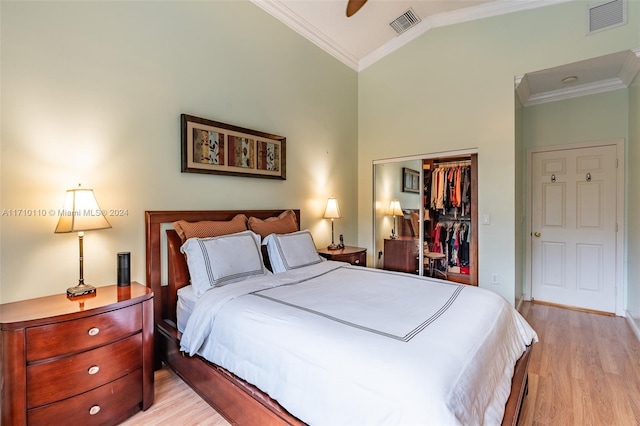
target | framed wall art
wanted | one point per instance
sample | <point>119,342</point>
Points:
<point>410,180</point>
<point>217,148</point>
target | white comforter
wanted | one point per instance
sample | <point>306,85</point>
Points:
<point>336,344</point>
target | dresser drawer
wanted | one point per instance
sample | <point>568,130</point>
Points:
<point>108,404</point>
<point>359,259</point>
<point>353,255</point>
<point>66,337</point>
<point>64,377</point>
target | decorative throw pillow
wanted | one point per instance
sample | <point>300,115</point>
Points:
<point>291,251</point>
<point>283,224</point>
<point>218,261</point>
<point>210,228</point>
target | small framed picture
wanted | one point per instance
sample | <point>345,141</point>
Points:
<point>217,148</point>
<point>410,180</point>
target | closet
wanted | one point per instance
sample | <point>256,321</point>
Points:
<point>436,236</point>
<point>450,212</point>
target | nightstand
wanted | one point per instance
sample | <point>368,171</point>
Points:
<point>87,360</point>
<point>353,255</point>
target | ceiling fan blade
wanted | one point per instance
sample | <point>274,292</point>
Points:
<point>353,6</point>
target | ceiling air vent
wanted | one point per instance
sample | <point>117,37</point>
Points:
<point>604,15</point>
<point>405,21</point>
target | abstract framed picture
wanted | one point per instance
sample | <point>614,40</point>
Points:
<point>410,180</point>
<point>217,148</point>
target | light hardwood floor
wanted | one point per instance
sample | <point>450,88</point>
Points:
<point>584,371</point>
<point>176,404</point>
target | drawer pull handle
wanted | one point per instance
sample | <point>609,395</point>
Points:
<point>94,410</point>
<point>93,331</point>
<point>94,369</point>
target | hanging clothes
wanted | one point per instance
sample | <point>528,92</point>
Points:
<point>451,238</point>
<point>448,199</point>
<point>451,188</point>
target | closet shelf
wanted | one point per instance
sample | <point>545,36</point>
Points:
<point>454,218</point>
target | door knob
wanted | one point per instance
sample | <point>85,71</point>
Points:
<point>537,234</point>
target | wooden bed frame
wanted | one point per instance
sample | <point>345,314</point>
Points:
<point>236,400</point>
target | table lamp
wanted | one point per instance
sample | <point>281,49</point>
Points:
<point>394,210</point>
<point>332,212</point>
<point>81,213</point>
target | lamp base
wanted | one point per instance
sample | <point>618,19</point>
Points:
<point>332,247</point>
<point>80,290</point>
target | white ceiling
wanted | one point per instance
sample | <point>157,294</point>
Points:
<point>366,37</point>
<point>597,75</point>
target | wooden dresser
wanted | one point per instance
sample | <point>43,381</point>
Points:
<point>401,254</point>
<point>353,255</point>
<point>81,361</point>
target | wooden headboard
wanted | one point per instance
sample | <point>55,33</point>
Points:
<point>165,296</point>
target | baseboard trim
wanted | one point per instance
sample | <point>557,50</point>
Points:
<point>574,308</point>
<point>519,303</point>
<point>634,325</point>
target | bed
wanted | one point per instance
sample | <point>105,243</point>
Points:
<point>259,302</point>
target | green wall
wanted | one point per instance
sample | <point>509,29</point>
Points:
<point>453,88</point>
<point>92,92</point>
<point>520,207</point>
<point>584,119</point>
<point>633,206</point>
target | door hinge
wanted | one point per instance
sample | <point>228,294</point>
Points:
<point>616,163</point>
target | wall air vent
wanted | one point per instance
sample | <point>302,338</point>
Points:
<point>405,21</point>
<point>605,15</point>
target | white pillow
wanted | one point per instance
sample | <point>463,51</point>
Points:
<point>291,251</point>
<point>217,261</point>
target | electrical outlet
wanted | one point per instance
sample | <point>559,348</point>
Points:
<point>495,279</point>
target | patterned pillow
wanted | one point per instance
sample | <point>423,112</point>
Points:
<point>285,223</point>
<point>210,228</point>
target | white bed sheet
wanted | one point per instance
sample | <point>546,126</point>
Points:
<point>187,300</point>
<point>336,344</point>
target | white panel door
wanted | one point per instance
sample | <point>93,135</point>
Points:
<point>574,227</point>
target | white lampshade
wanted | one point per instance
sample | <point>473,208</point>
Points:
<point>395,209</point>
<point>81,212</point>
<point>333,210</point>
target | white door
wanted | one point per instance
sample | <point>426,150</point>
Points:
<point>573,228</point>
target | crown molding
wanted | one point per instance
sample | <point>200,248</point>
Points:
<point>628,73</point>
<point>576,91</point>
<point>279,11</point>
<point>481,11</point>
<point>522,88</point>
<point>631,67</point>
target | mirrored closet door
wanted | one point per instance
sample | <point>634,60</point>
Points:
<point>425,216</point>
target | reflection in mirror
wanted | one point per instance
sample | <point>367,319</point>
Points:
<point>399,181</point>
